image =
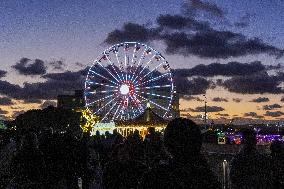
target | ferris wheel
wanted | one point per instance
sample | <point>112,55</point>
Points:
<point>126,79</point>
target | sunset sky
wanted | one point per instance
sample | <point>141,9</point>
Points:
<point>46,46</point>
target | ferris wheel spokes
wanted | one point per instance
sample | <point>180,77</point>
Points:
<point>127,77</point>
<point>143,68</point>
<point>150,101</point>
<point>109,111</point>
<point>103,77</point>
<point>111,63</point>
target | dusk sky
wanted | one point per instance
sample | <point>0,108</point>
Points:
<point>45,47</point>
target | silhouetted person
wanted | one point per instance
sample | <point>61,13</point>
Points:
<point>188,168</point>
<point>124,169</point>
<point>153,147</point>
<point>134,146</point>
<point>277,155</point>
<point>118,138</point>
<point>122,174</point>
<point>46,146</point>
<point>83,156</point>
<point>69,160</point>
<point>28,164</point>
<point>249,168</point>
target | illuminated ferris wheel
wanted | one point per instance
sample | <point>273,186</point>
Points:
<point>126,79</point>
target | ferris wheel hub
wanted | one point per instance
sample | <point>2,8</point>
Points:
<point>124,89</point>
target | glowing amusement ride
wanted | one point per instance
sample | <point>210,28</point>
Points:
<point>126,79</point>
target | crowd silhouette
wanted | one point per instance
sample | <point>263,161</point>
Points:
<point>170,160</point>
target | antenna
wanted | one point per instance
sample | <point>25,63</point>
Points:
<point>205,109</point>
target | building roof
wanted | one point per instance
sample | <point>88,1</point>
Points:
<point>147,117</point>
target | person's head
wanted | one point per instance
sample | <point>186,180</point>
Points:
<point>249,138</point>
<point>182,137</point>
<point>98,133</point>
<point>136,133</point>
<point>107,134</point>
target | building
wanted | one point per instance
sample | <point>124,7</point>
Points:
<point>74,102</point>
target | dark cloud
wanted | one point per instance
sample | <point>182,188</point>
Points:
<point>9,89</point>
<point>216,44</point>
<point>271,107</point>
<point>208,7</point>
<point>258,83</point>
<point>260,99</point>
<point>32,100</point>
<point>274,114</point>
<point>188,97</point>
<point>250,114</point>
<point>188,36</point>
<point>27,67</point>
<point>2,73</point>
<point>237,100</point>
<point>223,115</point>
<point>230,69</point>
<point>5,101</point>
<point>180,22</point>
<point>57,65</point>
<point>194,86</point>
<point>209,109</point>
<point>55,84</point>
<point>3,112</point>
<point>219,99</point>
<point>48,103</point>
<point>131,32</point>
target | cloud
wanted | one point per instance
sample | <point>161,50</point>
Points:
<point>131,32</point>
<point>187,36</point>
<point>258,83</point>
<point>32,100</point>
<point>2,73</point>
<point>223,115</point>
<point>219,99</point>
<point>27,67</point>
<point>57,65</point>
<point>209,109</point>
<point>216,44</point>
<point>229,69</point>
<point>271,107</point>
<point>188,97</point>
<point>48,103</point>
<point>3,112</point>
<point>253,115</point>
<point>9,89</point>
<point>274,114</point>
<point>237,100</point>
<point>260,99</point>
<point>180,22</point>
<point>194,86</point>
<point>55,84</point>
<point>5,101</point>
<point>210,8</point>
<point>250,114</point>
